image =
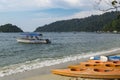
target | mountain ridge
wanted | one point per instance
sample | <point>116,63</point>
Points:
<point>88,24</point>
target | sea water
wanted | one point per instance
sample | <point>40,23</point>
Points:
<point>18,57</point>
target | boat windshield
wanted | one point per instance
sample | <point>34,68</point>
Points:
<point>34,36</point>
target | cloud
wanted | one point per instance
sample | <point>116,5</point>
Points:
<point>84,14</point>
<point>27,5</point>
<point>68,3</point>
<point>19,5</point>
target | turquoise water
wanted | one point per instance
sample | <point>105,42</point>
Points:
<point>64,45</point>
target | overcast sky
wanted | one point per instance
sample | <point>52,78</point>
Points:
<point>29,14</point>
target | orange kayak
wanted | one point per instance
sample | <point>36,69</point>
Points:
<point>95,65</point>
<point>90,73</point>
<point>92,69</point>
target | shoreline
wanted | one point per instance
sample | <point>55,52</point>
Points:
<point>42,73</point>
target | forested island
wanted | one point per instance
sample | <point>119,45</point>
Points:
<point>10,28</point>
<point>105,22</point>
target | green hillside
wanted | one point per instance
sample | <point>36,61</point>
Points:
<point>88,24</point>
<point>10,28</point>
<point>113,26</point>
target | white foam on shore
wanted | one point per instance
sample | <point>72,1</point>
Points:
<point>29,65</point>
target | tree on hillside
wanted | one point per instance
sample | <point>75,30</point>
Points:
<point>113,26</point>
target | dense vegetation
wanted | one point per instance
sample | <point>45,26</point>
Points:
<point>10,28</point>
<point>88,24</point>
<point>113,26</point>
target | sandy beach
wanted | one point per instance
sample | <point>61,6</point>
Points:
<point>54,77</point>
<point>45,72</point>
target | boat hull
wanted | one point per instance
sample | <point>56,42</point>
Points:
<point>32,41</point>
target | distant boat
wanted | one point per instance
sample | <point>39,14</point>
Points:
<point>33,38</point>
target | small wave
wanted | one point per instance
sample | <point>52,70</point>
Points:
<point>29,65</point>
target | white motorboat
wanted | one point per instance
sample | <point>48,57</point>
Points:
<point>33,38</point>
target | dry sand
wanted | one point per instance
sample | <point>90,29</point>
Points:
<point>54,77</point>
